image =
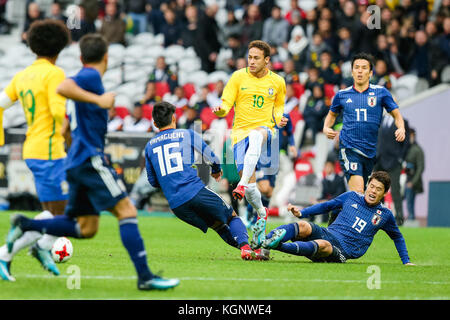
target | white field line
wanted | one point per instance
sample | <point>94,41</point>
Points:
<point>100,277</point>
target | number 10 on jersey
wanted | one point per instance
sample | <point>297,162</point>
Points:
<point>165,156</point>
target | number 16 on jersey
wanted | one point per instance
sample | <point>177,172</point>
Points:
<point>165,157</point>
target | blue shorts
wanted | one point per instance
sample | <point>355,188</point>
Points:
<point>353,163</point>
<point>266,162</point>
<point>321,233</point>
<point>93,187</point>
<point>49,178</point>
<point>260,176</point>
<point>204,210</point>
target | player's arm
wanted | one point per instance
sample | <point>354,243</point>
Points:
<point>56,102</point>
<point>229,96</point>
<point>151,174</point>
<point>319,208</point>
<point>207,154</point>
<point>400,133</point>
<point>331,117</point>
<point>69,89</point>
<point>394,233</point>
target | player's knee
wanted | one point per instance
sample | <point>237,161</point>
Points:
<point>88,231</point>
<point>124,209</point>
<point>304,229</point>
<point>324,248</point>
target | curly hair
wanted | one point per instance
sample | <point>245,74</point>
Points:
<point>261,45</point>
<point>47,38</point>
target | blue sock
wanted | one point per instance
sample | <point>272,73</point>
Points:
<point>238,231</point>
<point>291,232</point>
<point>225,233</point>
<point>299,248</point>
<point>60,226</point>
<point>265,201</point>
<point>132,241</point>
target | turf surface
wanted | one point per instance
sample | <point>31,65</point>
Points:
<point>210,269</point>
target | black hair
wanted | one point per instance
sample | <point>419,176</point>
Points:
<point>162,113</point>
<point>47,38</point>
<point>93,47</point>
<point>363,56</point>
<point>383,177</point>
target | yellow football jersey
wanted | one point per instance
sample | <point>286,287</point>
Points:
<point>257,101</point>
<point>2,132</point>
<point>35,87</point>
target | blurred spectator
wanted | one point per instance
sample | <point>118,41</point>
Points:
<point>333,184</point>
<point>289,72</point>
<point>207,45</point>
<point>198,101</point>
<point>347,17</point>
<point>162,73</point>
<point>33,14</point>
<point>313,79</point>
<point>155,18</point>
<point>232,27</point>
<point>316,47</point>
<point>86,26</point>
<point>275,29</point>
<point>397,61</point>
<point>389,158</point>
<point>171,29</point>
<point>115,123</point>
<point>113,27</point>
<point>328,35</point>
<point>310,24</point>
<point>298,47</point>
<point>293,10</point>
<point>415,165</point>
<point>178,99</point>
<point>291,100</point>
<point>314,114</point>
<point>135,122</point>
<point>214,97</point>
<point>189,32</point>
<point>345,45</point>
<point>382,51</point>
<point>329,70</point>
<point>56,12</point>
<point>150,96</point>
<point>380,76</point>
<point>365,38</point>
<point>252,26</point>
<point>444,39</point>
<point>237,51</point>
<point>5,26</point>
<point>137,10</point>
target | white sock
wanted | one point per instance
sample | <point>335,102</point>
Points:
<point>253,197</point>
<point>46,241</point>
<point>26,240</point>
<point>255,140</point>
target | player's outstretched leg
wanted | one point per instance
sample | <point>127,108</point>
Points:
<point>275,240</point>
<point>5,273</point>
<point>45,259</point>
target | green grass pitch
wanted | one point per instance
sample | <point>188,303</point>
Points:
<point>211,270</point>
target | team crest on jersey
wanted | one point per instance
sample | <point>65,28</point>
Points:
<point>376,219</point>
<point>354,165</point>
<point>372,101</point>
<point>270,91</point>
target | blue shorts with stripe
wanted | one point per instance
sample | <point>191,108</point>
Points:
<point>204,210</point>
<point>269,159</point>
<point>49,178</point>
<point>353,163</point>
<point>321,233</point>
<point>93,187</point>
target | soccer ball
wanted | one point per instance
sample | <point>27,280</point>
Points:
<point>62,250</point>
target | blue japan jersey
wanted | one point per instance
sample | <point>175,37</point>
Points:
<point>88,122</point>
<point>169,158</point>
<point>362,114</point>
<point>357,224</point>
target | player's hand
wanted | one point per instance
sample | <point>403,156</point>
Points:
<point>330,133</point>
<point>217,175</point>
<point>218,111</point>
<point>400,134</point>
<point>283,122</point>
<point>106,100</point>
<point>294,210</point>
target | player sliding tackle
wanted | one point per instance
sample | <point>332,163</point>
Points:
<point>257,95</point>
<point>348,237</point>
<point>169,159</point>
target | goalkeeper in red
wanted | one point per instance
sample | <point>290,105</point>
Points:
<point>257,95</point>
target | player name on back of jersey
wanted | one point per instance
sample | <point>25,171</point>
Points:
<point>166,136</point>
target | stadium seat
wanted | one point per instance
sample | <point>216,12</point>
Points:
<point>211,86</point>
<point>299,89</point>
<point>217,75</point>
<point>146,39</point>
<point>445,75</point>
<point>329,90</point>
<point>207,117</point>
<point>147,111</point>
<point>162,88</point>
<point>189,90</point>
<point>295,116</point>
<point>199,78</point>
<point>174,53</point>
<point>123,100</point>
<point>122,111</point>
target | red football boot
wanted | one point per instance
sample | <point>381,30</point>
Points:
<point>239,192</point>
<point>246,252</point>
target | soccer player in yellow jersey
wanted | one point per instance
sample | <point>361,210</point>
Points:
<point>43,149</point>
<point>257,95</point>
